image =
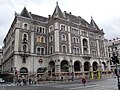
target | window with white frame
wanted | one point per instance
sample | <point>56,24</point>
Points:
<point>75,40</point>
<point>24,48</point>
<point>84,33</point>
<point>63,36</point>
<point>62,27</point>
<point>40,39</point>
<point>40,50</point>
<point>25,26</point>
<point>75,30</point>
<point>51,50</point>
<point>76,50</point>
<point>40,29</point>
<point>94,53</point>
<point>93,44</point>
<point>64,48</point>
<point>51,28</point>
<point>51,38</point>
<point>24,36</point>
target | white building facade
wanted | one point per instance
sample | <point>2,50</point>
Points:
<point>35,44</point>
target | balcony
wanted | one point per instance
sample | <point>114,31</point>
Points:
<point>87,56</point>
<point>24,41</point>
<point>24,54</point>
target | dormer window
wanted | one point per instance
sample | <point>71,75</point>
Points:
<point>25,26</point>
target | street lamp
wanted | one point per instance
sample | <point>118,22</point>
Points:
<point>116,62</point>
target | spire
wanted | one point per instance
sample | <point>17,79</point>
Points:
<point>57,12</point>
<point>56,3</point>
<point>25,13</point>
<point>93,24</point>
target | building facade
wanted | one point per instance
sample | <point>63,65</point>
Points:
<point>114,48</point>
<point>62,43</point>
<point>1,59</point>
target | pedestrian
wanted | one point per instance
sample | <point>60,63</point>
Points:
<point>30,81</point>
<point>83,80</point>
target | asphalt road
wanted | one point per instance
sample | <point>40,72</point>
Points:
<point>106,84</point>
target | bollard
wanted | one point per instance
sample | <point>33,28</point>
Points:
<point>3,87</point>
<point>118,85</point>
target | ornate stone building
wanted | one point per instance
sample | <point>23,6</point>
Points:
<point>62,43</point>
<point>114,48</point>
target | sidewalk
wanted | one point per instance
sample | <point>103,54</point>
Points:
<point>65,82</point>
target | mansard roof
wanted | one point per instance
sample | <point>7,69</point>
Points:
<point>77,19</point>
<point>93,24</point>
<point>57,12</point>
<point>27,14</point>
<point>39,18</point>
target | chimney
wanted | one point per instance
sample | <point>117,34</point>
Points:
<point>70,13</point>
<point>49,16</point>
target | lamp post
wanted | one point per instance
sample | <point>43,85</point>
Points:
<point>116,62</point>
<point>14,78</point>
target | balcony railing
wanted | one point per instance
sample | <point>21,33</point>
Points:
<point>24,54</point>
<point>87,56</point>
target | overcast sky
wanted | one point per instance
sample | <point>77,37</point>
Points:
<point>106,13</point>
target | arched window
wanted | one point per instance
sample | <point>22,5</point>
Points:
<point>42,40</point>
<point>38,39</point>
<point>85,42</point>
<point>63,27</point>
<point>40,29</point>
<point>64,48</point>
<point>25,26</point>
<point>24,60</point>
<point>38,50</point>
<point>74,40</point>
<point>24,37</point>
<point>51,38</point>
<point>77,40</point>
<point>42,51</point>
<point>24,48</point>
<point>23,70</point>
<point>51,50</point>
<point>63,37</point>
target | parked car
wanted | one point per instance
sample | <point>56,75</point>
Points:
<point>2,81</point>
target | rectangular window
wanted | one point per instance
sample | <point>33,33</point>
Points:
<point>84,33</point>
<point>75,30</point>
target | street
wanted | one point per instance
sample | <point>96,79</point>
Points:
<point>106,84</point>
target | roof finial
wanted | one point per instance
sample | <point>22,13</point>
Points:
<point>57,3</point>
<point>91,17</point>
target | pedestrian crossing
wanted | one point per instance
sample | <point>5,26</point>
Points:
<point>7,85</point>
<point>87,87</point>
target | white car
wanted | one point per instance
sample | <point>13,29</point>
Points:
<point>1,80</point>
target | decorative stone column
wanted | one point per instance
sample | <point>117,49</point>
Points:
<point>57,67</point>
<point>91,74</point>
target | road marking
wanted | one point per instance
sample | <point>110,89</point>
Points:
<point>84,87</point>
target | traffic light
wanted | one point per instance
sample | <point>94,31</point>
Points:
<point>115,70</point>
<point>115,59</point>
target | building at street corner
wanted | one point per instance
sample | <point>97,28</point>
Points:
<point>61,44</point>
<point>114,47</point>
